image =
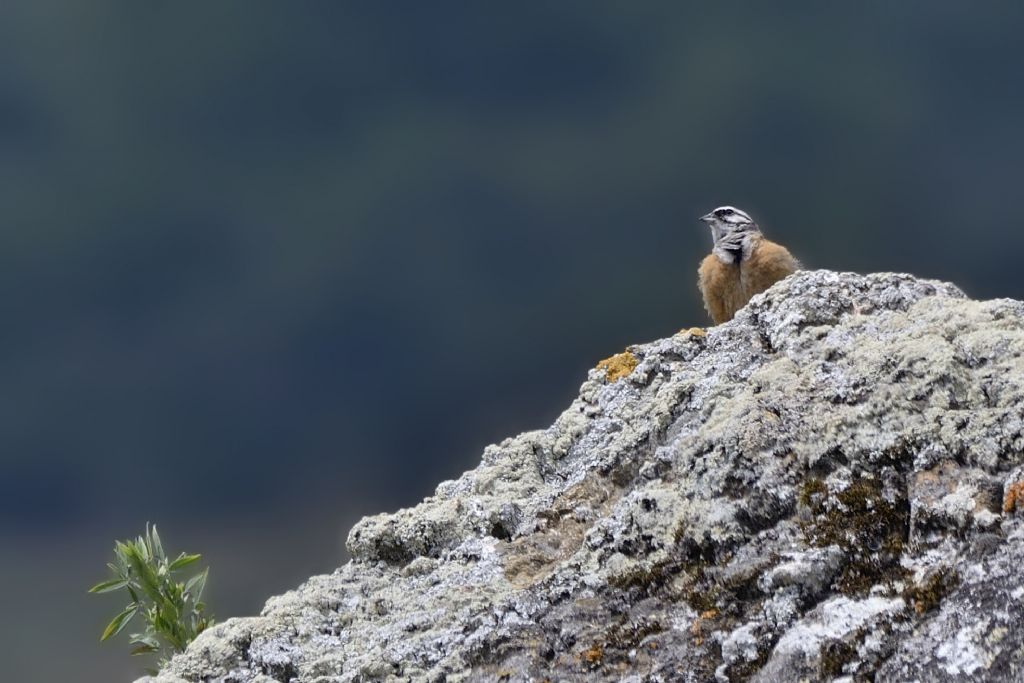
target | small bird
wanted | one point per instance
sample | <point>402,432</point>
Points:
<point>742,263</point>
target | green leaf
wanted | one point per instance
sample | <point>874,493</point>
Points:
<point>144,650</point>
<point>119,622</point>
<point>196,584</point>
<point>121,551</point>
<point>147,577</point>
<point>146,642</point>
<point>142,547</point>
<point>107,586</point>
<point>158,548</point>
<point>167,631</point>
<point>183,561</point>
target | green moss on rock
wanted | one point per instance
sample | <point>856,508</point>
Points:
<point>869,529</point>
<point>927,595</point>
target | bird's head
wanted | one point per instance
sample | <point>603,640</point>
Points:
<point>727,219</point>
<point>732,230</point>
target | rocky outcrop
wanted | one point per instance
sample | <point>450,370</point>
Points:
<point>828,487</point>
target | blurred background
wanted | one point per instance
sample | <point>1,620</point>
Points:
<point>266,268</point>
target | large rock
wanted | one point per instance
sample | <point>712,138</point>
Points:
<point>829,486</point>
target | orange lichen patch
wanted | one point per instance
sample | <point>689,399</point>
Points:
<point>618,366</point>
<point>693,331</point>
<point>592,655</point>
<point>697,627</point>
<point>1014,498</point>
<point>697,631</point>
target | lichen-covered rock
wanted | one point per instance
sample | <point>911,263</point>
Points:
<point>827,487</point>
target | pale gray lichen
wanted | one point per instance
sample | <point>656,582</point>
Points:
<point>824,488</point>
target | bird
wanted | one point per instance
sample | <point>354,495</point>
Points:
<point>742,263</point>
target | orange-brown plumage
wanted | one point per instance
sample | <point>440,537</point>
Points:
<point>742,264</point>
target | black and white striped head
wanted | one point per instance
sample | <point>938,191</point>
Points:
<point>726,219</point>
<point>732,230</point>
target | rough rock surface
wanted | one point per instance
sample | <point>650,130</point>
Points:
<point>829,487</point>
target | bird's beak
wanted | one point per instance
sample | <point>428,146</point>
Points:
<point>707,218</point>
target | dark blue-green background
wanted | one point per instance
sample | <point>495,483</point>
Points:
<point>268,267</point>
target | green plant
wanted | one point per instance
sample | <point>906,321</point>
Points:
<point>172,610</point>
